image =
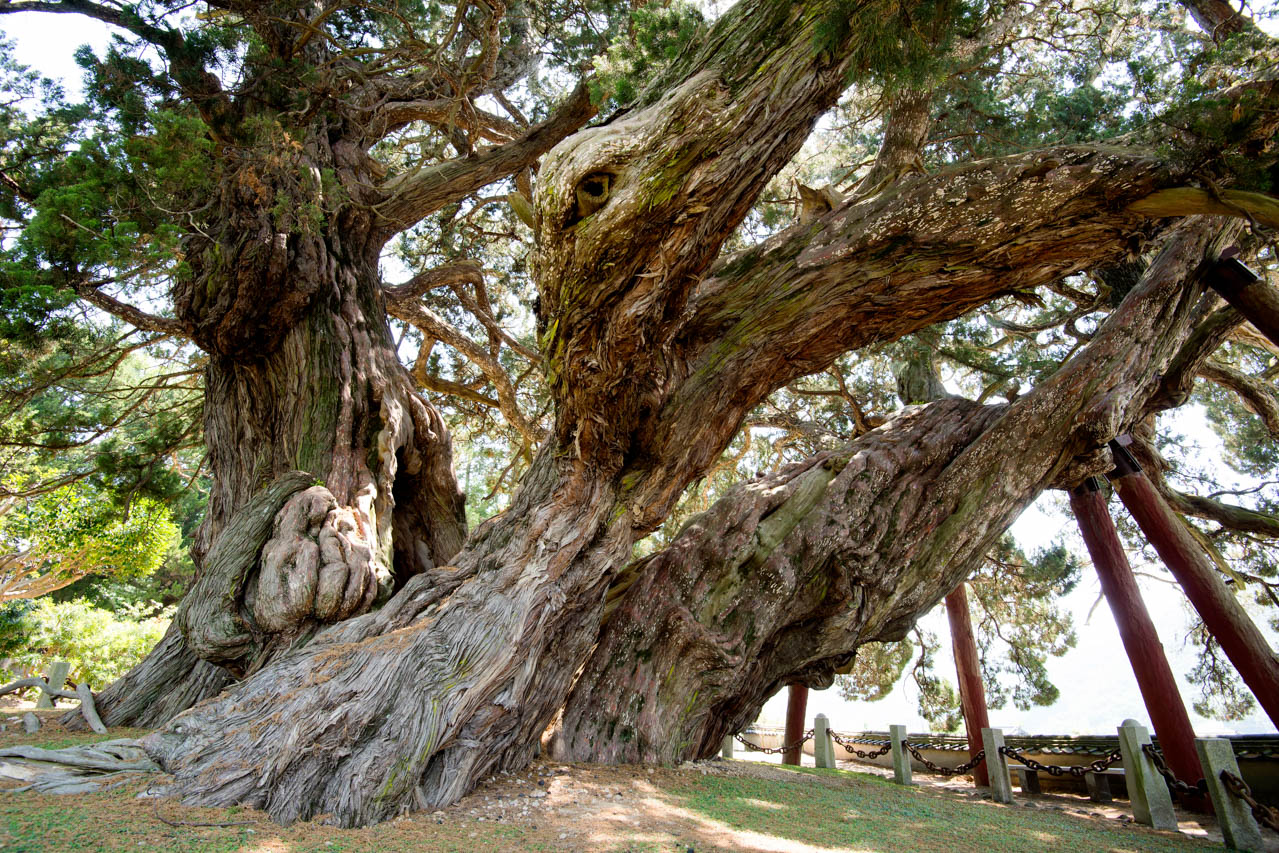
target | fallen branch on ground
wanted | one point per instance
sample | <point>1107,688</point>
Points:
<point>82,692</point>
<point>73,770</point>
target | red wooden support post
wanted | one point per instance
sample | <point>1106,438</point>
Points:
<point>1137,630</point>
<point>796,707</point>
<point>972,694</point>
<point>1226,620</point>
<point>1250,296</point>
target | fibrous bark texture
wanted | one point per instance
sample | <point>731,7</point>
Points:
<point>784,577</point>
<point>465,684</point>
<point>655,353</point>
<point>332,477</point>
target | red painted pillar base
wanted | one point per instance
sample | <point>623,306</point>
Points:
<point>796,707</point>
<point>1137,630</point>
<point>972,693</point>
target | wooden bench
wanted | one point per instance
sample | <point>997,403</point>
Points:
<point>1098,782</point>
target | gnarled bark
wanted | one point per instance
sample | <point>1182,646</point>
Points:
<point>332,477</point>
<point>466,683</point>
<point>852,545</point>
<point>653,364</point>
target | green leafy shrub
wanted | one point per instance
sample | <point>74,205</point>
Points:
<point>100,645</point>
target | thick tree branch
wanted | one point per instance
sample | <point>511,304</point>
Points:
<point>417,194</point>
<point>434,383</point>
<point>424,282</point>
<point>1209,335</point>
<point>1227,515</point>
<point>928,250</point>
<point>1191,201</point>
<point>1230,516</point>
<point>1218,18</point>
<point>854,544</point>
<point>446,113</point>
<point>139,319</point>
<point>632,213</point>
<point>1257,395</point>
<point>905,131</point>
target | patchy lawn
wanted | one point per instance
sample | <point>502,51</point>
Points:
<point>718,806</point>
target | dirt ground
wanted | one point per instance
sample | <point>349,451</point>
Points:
<point>550,806</point>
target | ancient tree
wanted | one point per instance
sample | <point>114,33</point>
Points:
<point>358,652</point>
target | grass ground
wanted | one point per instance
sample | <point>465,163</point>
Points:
<point>722,806</point>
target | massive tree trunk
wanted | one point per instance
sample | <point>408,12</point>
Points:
<point>784,577</point>
<point>464,684</point>
<point>653,359</point>
<point>332,478</point>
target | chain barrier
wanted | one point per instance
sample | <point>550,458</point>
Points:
<point>1266,815</point>
<point>773,750</point>
<point>966,767</point>
<point>848,745</point>
<point>1184,789</point>
<point>1060,770</point>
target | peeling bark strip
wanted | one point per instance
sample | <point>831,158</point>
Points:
<point>899,518</point>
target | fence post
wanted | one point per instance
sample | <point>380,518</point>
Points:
<point>1151,802</point>
<point>901,758</point>
<point>1238,827</point>
<point>1001,784</point>
<point>823,747</point>
<point>727,749</point>
<point>57,678</point>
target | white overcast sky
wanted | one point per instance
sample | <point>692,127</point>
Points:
<point>1097,686</point>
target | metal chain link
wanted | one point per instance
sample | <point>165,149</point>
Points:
<point>1183,788</point>
<point>1077,771</point>
<point>848,745</point>
<point>946,771</point>
<point>1265,815</point>
<point>773,750</point>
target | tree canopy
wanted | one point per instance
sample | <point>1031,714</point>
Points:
<point>746,334</point>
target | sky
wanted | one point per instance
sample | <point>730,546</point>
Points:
<point>1098,690</point>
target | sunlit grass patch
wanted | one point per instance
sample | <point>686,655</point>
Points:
<point>661,811</point>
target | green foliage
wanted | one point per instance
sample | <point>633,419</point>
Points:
<point>655,38</point>
<point>1020,624</point>
<point>78,530</point>
<point>100,645</point>
<point>896,45</point>
<point>1222,696</point>
<point>938,699</point>
<point>80,519</point>
<point>875,671</point>
<point>14,627</point>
